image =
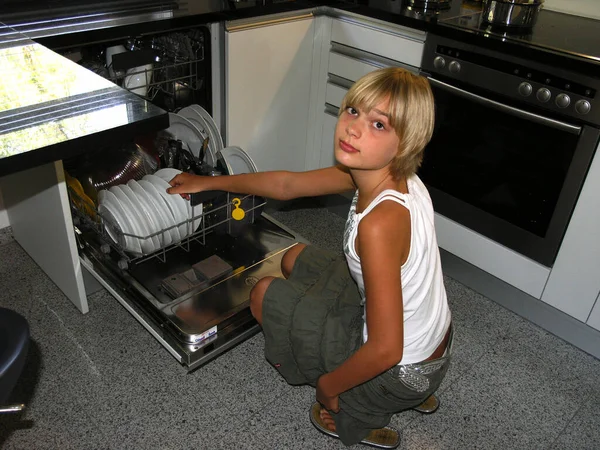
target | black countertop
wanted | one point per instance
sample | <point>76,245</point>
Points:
<point>52,108</point>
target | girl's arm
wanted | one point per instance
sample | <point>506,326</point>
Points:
<point>383,244</point>
<point>279,185</point>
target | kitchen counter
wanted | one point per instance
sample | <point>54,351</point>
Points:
<point>52,108</point>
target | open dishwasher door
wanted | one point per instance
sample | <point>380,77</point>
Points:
<point>191,292</point>
<point>194,296</point>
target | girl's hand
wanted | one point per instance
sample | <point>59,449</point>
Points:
<point>329,401</point>
<point>186,183</point>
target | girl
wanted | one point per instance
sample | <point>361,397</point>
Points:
<point>369,329</point>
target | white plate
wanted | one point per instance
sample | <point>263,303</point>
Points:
<point>237,161</point>
<point>163,207</point>
<point>136,218</point>
<point>218,140</point>
<point>175,202</point>
<point>215,143</point>
<point>184,130</point>
<point>159,216</point>
<point>194,213</point>
<point>110,209</point>
<point>196,118</point>
<point>168,174</point>
<point>146,214</point>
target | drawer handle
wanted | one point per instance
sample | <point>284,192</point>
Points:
<point>331,110</point>
<point>556,124</point>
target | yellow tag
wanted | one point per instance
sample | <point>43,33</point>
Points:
<point>238,213</point>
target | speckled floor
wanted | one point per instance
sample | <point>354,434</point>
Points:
<point>101,381</point>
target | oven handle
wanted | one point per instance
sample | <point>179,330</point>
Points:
<point>562,126</point>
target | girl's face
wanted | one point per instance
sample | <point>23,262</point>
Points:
<point>365,140</point>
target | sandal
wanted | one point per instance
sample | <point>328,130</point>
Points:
<point>386,437</point>
<point>429,406</point>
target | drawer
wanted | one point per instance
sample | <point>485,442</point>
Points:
<point>334,94</point>
<point>349,68</point>
<point>403,48</point>
<point>351,64</point>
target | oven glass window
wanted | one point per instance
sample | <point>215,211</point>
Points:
<point>508,166</point>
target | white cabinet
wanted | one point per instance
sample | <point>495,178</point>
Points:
<point>574,281</point>
<point>40,214</point>
<point>268,68</point>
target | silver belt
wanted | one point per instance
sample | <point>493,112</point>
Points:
<point>416,375</point>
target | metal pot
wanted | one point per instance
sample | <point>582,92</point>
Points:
<point>511,13</point>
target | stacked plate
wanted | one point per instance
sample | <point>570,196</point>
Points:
<point>236,161</point>
<point>142,217</point>
<point>192,125</point>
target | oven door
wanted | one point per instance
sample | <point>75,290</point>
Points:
<point>504,172</point>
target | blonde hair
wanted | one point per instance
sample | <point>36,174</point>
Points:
<point>411,111</point>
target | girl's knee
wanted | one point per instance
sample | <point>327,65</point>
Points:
<point>257,295</point>
<point>289,259</point>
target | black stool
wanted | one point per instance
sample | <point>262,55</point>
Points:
<point>14,343</point>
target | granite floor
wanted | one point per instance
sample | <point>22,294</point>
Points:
<point>101,381</point>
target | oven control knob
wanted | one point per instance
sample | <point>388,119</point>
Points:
<point>582,106</point>
<point>454,67</point>
<point>543,95</point>
<point>439,62</point>
<point>525,89</point>
<point>562,100</point>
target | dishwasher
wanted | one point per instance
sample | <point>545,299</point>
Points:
<point>191,293</point>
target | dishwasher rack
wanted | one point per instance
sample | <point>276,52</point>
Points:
<point>170,80</point>
<point>164,69</point>
<point>213,217</point>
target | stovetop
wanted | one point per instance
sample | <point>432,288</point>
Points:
<point>570,34</point>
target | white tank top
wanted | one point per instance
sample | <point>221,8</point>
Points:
<point>426,312</point>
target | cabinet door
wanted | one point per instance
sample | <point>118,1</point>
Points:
<point>40,215</point>
<point>267,90</point>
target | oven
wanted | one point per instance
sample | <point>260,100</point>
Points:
<point>512,144</point>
